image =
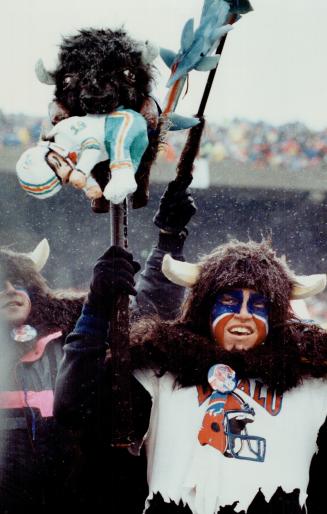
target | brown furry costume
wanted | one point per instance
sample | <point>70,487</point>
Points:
<point>185,348</point>
<point>293,349</point>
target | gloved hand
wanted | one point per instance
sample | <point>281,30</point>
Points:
<point>176,208</point>
<point>113,274</point>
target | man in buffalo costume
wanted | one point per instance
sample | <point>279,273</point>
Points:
<point>234,389</point>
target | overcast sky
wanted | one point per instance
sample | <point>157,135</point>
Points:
<point>273,66</point>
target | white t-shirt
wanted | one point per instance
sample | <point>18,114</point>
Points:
<point>181,468</point>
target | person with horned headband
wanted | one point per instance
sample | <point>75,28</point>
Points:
<point>234,389</point>
<point>35,452</point>
<point>39,459</point>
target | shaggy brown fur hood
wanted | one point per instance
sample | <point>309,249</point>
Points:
<point>51,310</point>
<point>240,265</point>
<point>298,351</point>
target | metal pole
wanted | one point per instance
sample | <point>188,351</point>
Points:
<point>122,418</point>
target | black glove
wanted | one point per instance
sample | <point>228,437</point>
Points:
<point>176,208</point>
<point>113,274</point>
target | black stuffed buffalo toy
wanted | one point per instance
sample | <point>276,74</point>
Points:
<point>99,70</point>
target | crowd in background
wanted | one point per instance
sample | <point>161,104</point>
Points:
<point>19,130</point>
<point>292,146</point>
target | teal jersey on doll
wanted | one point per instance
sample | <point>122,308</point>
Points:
<point>120,136</point>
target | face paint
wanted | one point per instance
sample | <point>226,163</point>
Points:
<point>258,307</point>
<point>15,304</point>
<point>239,319</point>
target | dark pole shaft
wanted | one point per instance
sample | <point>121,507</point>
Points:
<point>122,418</point>
<point>186,161</point>
<point>118,223</point>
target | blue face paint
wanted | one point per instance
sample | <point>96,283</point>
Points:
<point>16,287</point>
<point>258,306</point>
<point>231,301</point>
<point>227,302</point>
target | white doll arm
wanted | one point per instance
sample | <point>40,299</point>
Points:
<point>90,182</point>
<point>90,151</point>
<point>90,155</point>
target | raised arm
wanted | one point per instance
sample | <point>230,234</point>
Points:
<point>83,397</point>
<point>155,293</point>
<point>83,381</point>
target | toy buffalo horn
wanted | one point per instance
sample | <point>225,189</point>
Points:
<point>44,76</point>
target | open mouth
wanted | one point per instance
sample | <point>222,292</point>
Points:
<point>11,303</point>
<point>240,331</point>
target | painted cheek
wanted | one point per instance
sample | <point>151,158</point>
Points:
<point>262,328</point>
<point>218,327</point>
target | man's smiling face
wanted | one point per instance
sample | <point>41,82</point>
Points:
<point>15,304</point>
<point>239,319</point>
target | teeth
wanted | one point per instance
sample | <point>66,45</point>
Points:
<point>240,330</point>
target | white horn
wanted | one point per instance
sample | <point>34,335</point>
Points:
<point>300,309</point>
<point>308,285</point>
<point>149,50</point>
<point>40,254</point>
<point>42,74</point>
<point>180,273</point>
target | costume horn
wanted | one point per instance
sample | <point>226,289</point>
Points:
<point>307,285</point>
<point>40,254</point>
<point>43,74</point>
<point>186,275</point>
<point>149,50</point>
<point>180,273</point>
